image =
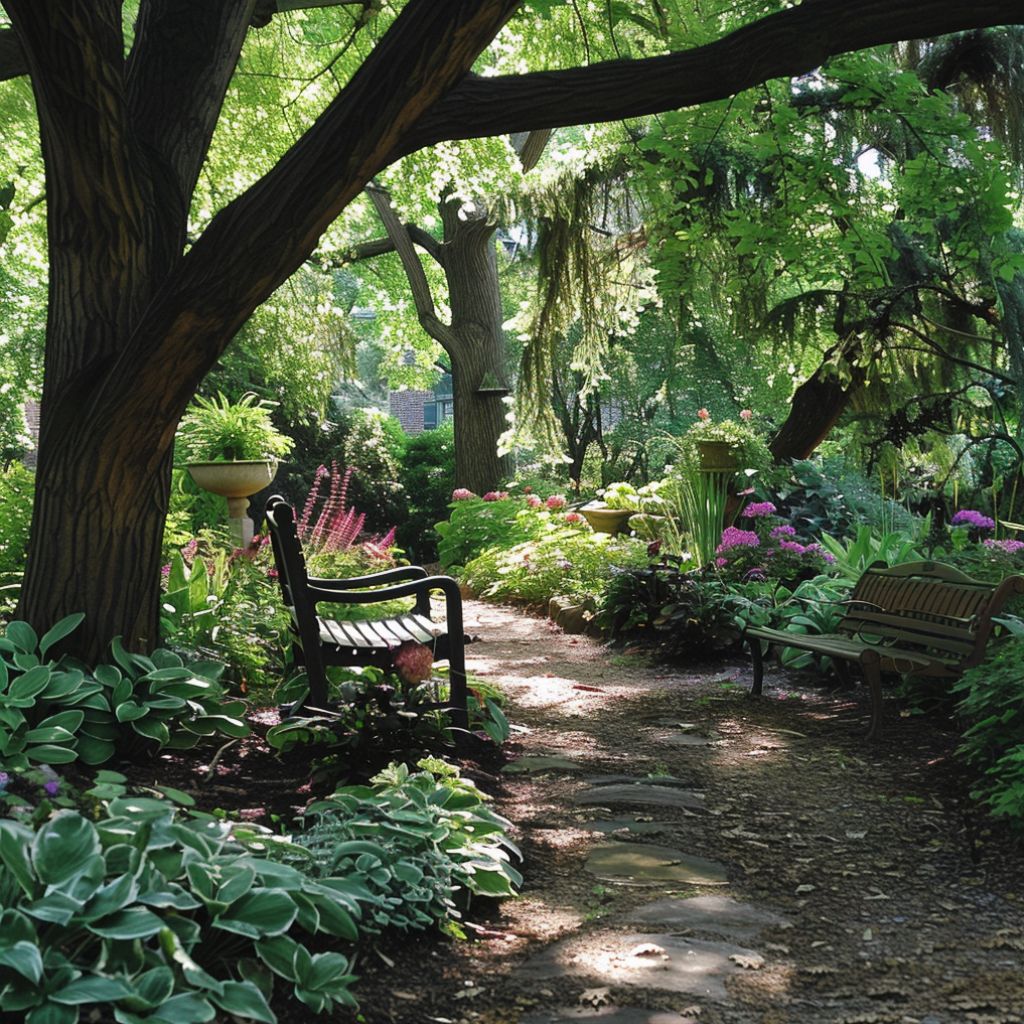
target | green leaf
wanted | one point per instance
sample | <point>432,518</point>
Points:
<point>134,923</point>
<point>25,958</point>
<point>108,675</point>
<point>244,999</point>
<point>52,1013</point>
<point>265,912</point>
<point>152,730</point>
<point>229,726</point>
<point>129,711</point>
<point>14,854</point>
<point>23,636</point>
<point>64,847</point>
<point>177,795</point>
<point>32,683</point>
<point>52,755</point>
<point>279,955</point>
<point>59,630</point>
<point>92,750</point>
<point>91,989</point>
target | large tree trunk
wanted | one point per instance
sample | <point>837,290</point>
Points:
<point>476,346</point>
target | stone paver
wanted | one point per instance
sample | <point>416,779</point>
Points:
<point>642,863</point>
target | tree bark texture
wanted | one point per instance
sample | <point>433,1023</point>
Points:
<point>476,345</point>
<point>135,320</point>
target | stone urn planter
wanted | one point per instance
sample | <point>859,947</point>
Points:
<point>606,520</point>
<point>236,481</point>
<point>717,456</point>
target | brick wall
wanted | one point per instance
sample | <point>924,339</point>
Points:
<point>407,408</point>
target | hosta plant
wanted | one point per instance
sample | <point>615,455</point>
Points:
<point>158,918</point>
<point>420,843</point>
<point>55,712</point>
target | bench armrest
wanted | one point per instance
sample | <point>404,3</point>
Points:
<point>420,589</point>
<point>376,579</point>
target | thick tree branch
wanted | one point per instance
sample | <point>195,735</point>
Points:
<point>418,284</point>
<point>380,246</point>
<point>12,59</point>
<point>792,42</point>
<point>182,59</point>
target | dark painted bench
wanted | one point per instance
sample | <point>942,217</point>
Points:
<point>320,642</point>
<point>916,619</point>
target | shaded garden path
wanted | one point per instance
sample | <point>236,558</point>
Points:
<point>837,881</point>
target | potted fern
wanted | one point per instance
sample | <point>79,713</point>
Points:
<point>231,448</point>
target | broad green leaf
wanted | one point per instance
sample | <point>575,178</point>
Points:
<point>47,754</point>
<point>64,847</point>
<point>152,730</point>
<point>134,923</point>
<point>91,989</point>
<point>23,636</point>
<point>32,683</point>
<point>25,958</point>
<point>14,854</point>
<point>58,631</point>
<point>258,914</point>
<point>244,999</point>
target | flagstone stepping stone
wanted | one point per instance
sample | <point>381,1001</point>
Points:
<point>607,1015</point>
<point>632,824</point>
<point>646,863</point>
<point>666,963</point>
<point>718,915</point>
<point>685,739</point>
<point>531,763</point>
<point>641,794</point>
<point>641,780</point>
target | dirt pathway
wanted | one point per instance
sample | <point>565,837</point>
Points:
<point>693,856</point>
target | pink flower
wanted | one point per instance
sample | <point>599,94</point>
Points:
<point>533,501</point>
<point>703,414</point>
<point>757,509</point>
<point>527,489</point>
<point>735,538</point>
<point>413,662</point>
<point>555,502</point>
<point>782,530</point>
<point>495,495</point>
<point>1010,547</point>
<point>746,415</point>
<point>721,562</point>
<point>462,494</point>
<point>573,517</point>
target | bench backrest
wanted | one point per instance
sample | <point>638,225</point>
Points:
<point>928,606</point>
<point>292,574</point>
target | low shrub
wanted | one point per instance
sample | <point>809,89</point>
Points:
<point>17,490</point>
<point>421,844</point>
<point>566,560</point>
<point>991,702</point>
<point>156,916</point>
<point>55,712</point>
<point>428,475</point>
<point>496,520</point>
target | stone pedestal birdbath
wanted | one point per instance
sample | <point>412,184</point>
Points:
<point>236,481</point>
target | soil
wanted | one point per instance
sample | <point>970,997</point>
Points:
<point>860,887</point>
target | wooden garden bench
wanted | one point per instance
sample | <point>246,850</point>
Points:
<point>917,619</point>
<point>320,642</point>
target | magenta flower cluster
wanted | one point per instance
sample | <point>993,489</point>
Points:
<point>732,537</point>
<point>972,518</point>
<point>759,509</point>
<point>782,530</point>
<point>495,495</point>
<point>1009,547</point>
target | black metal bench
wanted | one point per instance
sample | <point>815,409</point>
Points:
<point>916,619</point>
<point>320,642</point>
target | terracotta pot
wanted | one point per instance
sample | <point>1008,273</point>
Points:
<point>606,520</point>
<point>717,456</point>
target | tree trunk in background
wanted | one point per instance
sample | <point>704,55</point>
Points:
<point>816,406</point>
<point>476,345</point>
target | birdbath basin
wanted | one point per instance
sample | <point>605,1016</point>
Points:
<point>236,481</point>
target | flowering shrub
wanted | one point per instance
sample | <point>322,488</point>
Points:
<point>555,502</point>
<point>562,560</point>
<point>1007,547</point>
<point>462,494</point>
<point>969,517</point>
<point>768,551</point>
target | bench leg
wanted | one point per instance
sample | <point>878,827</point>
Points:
<point>873,679</point>
<point>457,687</point>
<point>758,663</point>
